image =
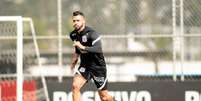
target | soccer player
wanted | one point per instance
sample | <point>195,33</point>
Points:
<point>87,43</point>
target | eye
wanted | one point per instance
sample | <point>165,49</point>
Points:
<point>76,20</point>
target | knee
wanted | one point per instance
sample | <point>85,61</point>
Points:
<point>105,97</point>
<point>75,87</point>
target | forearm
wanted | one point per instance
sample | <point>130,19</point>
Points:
<point>94,49</point>
<point>74,59</point>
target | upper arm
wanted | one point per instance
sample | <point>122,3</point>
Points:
<point>73,36</point>
<point>95,38</point>
<point>96,44</point>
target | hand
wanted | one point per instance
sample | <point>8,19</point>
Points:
<point>79,45</point>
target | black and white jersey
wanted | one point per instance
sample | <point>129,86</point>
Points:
<point>92,56</point>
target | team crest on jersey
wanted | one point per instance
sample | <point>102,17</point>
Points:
<point>84,38</point>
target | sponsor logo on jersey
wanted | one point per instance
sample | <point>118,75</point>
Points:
<point>99,79</point>
<point>82,69</point>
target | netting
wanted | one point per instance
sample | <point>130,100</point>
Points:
<point>8,47</point>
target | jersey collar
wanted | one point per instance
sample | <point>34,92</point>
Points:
<point>86,29</point>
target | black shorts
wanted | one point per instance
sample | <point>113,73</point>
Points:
<point>98,74</point>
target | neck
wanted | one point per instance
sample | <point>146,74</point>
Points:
<point>81,29</point>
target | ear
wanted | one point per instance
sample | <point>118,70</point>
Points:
<point>84,21</point>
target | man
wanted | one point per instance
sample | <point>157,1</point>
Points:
<point>88,47</point>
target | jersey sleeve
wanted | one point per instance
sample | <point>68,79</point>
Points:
<point>73,36</point>
<point>96,43</point>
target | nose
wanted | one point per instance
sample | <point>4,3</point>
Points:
<point>75,24</point>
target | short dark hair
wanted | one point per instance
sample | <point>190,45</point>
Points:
<point>75,13</point>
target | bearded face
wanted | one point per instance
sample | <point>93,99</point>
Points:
<point>78,22</point>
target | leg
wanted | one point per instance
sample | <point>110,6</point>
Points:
<point>100,79</point>
<point>104,95</point>
<point>78,82</point>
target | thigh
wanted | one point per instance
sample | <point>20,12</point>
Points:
<point>78,80</point>
<point>103,92</point>
<point>84,72</point>
<point>104,95</point>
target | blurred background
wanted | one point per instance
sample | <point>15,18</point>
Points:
<point>140,38</point>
